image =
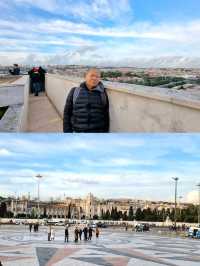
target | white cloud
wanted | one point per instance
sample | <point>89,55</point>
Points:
<point>117,162</point>
<point>193,197</point>
<point>93,10</point>
<point>5,152</point>
<point>72,42</point>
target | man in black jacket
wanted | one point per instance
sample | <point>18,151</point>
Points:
<point>87,106</point>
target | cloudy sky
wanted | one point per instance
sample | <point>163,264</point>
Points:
<point>127,165</point>
<point>97,31</point>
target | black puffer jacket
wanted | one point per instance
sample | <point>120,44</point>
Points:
<point>88,113</point>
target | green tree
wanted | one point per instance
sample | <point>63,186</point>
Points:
<point>3,209</point>
<point>131,214</point>
<point>139,215</point>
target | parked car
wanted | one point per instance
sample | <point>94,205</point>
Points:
<point>142,227</point>
<point>60,223</point>
<point>101,225</point>
<point>92,225</point>
<point>194,232</point>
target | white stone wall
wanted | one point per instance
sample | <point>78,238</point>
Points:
<point>16,96</point>
<point>23,121</point>
<point>136,108</point>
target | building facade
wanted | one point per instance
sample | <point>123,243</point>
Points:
<point>89,207</point>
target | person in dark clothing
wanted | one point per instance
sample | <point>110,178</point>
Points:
<point>90,233</point>
<point>85,232</point>
<point>35,80</point>
<point>80,233</point>
<point>49,233</point>
<point>30,227</point>
<point>76,233</point>
<point>87,107</point>
<point>1,264</point>
<point>42,73</point>
<point>66,234</point>
<point>15,70</point>
<point>37,227</point>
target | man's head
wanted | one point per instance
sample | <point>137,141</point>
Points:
<point>92,78</point>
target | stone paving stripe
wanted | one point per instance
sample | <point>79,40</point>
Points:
<point>95,260</point>
<point>61,254</point>
<point>137,255</point>
<point>13,258</point>
<point>192,258</point>
<point>45,254</point>
<point>118,261</point>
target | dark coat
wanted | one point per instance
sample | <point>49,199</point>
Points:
<point>66,232</point>
<point>42,73</point>
<point>34,76</point>
<point>15,71</point>
<point>88,113</point>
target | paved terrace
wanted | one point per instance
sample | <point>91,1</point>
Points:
<point>39,114</point>
<point>42,115</point>
<point>114,247</point>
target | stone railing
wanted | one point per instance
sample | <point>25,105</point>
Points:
<point>15,95</point>
<point>136,108</point>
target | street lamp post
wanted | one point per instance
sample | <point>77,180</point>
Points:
<point>175,201</point>
<point>199,205</point>
<point>39,178</point>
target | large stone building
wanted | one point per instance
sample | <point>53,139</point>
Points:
<point>77,208</point>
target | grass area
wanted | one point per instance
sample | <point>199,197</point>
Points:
<point>2,111</point>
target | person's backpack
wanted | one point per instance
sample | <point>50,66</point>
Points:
<point>77,91</point>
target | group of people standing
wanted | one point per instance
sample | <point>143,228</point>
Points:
<point>87,233</point>
<point>35,227</point>
<point>37,80</point>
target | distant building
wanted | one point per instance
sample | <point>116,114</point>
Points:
<point>86,208</point>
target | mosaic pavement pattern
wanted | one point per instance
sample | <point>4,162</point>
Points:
<point>114,247</point>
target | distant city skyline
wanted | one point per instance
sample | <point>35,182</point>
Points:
<point>133,33</point>
<point>139,166</point>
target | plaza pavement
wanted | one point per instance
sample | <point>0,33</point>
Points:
<point>115,247</point>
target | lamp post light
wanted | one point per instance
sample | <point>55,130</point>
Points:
<point>175,200</point>
<point>199,205</point>
<point>39,177</point>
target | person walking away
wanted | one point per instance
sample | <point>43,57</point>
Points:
<point>87,106</point>
<point>80,233</point>
<point>85,232</point>
<point>66,234</point>
<point>76,233</point>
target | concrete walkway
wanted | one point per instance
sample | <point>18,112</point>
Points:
<point>42,116</point>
